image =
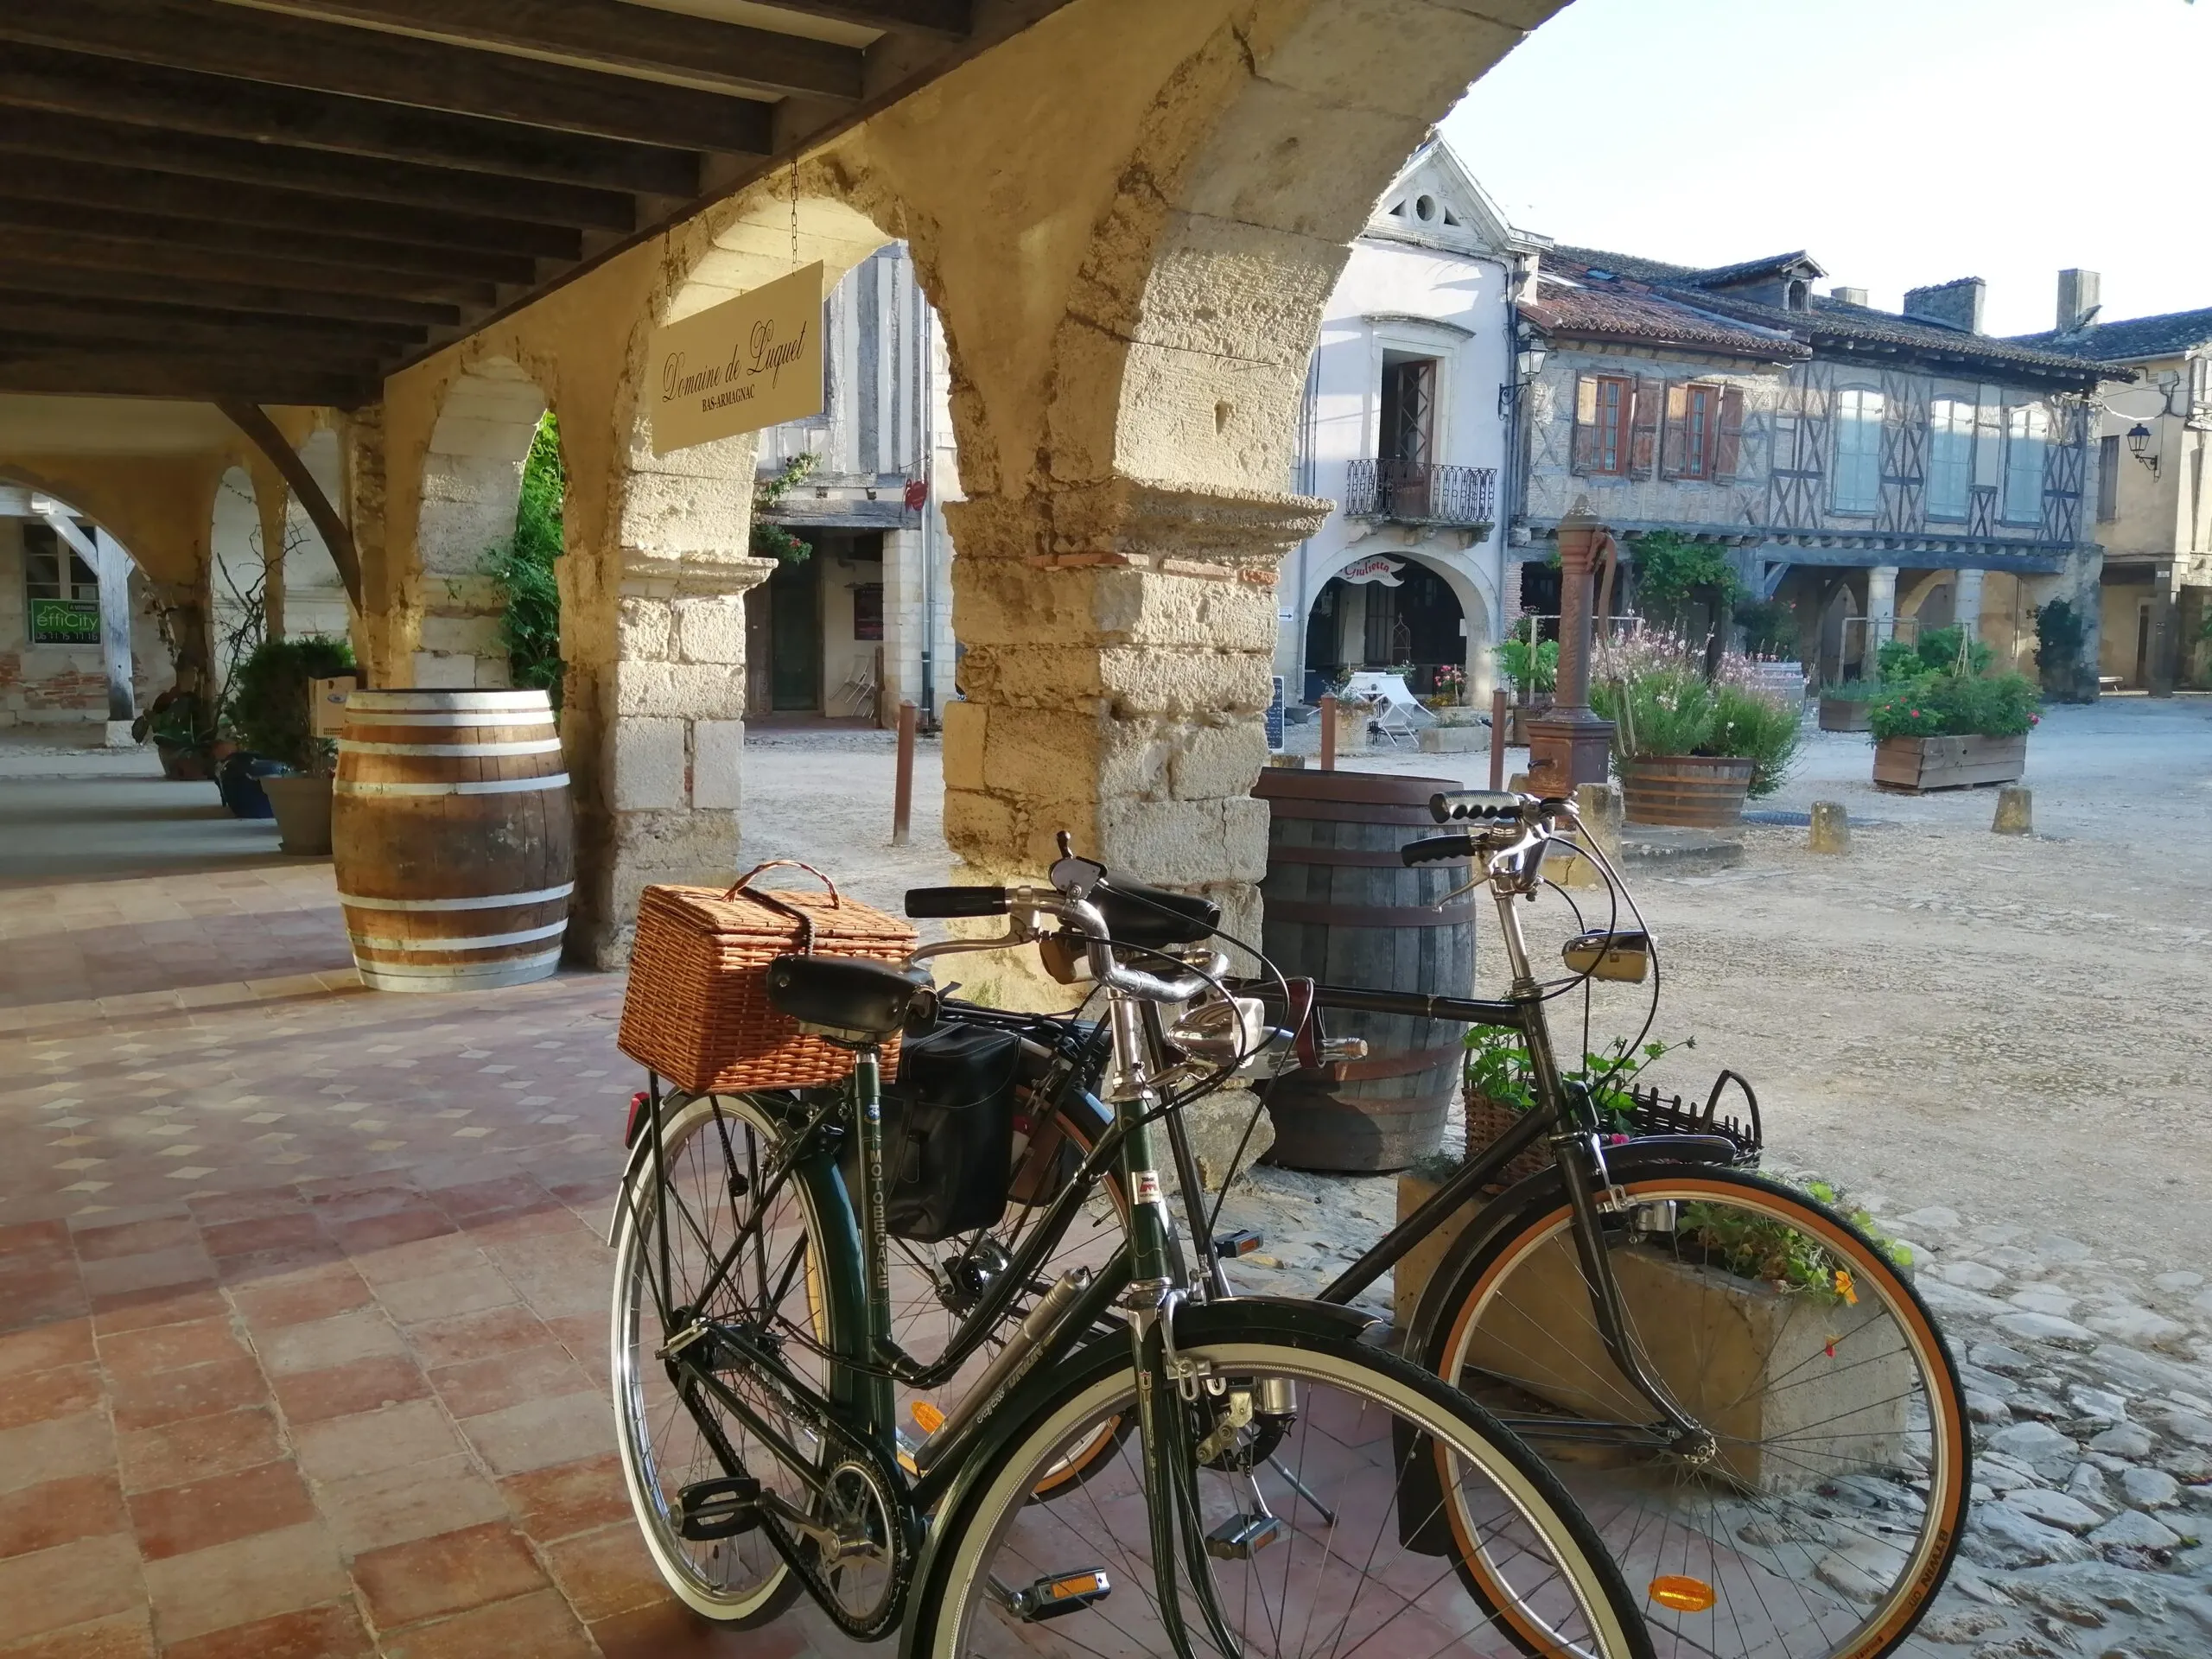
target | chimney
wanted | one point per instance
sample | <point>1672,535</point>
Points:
<point>1848,296</point>
<point>2077,299</point>
<point>1954,304</point>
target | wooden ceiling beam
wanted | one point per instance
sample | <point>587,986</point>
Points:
<point>143,374</point>
<point>416,266</point>
<point>337,537</point>
<point>948,20</point>
<point>626,38</point>
<point>45,310</point>
<point>212,38</point>
<point>248,298</point>
<point>424,232</point>
<point>84,250</point>
<point>25,330</point>
<point>363,185</point>
<point>71,83</point>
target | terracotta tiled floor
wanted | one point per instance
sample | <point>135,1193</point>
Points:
<point>303,1295</point>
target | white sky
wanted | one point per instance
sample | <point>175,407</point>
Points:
<point>1899,142</point>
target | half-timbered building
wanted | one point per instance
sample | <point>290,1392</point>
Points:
<point>1877,472</point>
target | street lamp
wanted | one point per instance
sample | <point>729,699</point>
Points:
<point>1528,364</point>
<point>2139,445</point>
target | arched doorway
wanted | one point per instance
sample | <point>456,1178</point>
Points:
<point>1397,611</point>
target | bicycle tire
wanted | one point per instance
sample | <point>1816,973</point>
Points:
<point>650,1435</point>
<point>961,1609</point>
<point>1789,1568</point>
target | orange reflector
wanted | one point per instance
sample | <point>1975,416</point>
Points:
<point>928,1416</point>
<point>1081,1585</point>
<point>1683,1595</point>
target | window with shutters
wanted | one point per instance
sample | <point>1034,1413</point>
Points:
<point>1950,457</point>
<point>1604,406</point>
<point>53,571</point>
<point>2027,432</point>
<point>2107,478</point>
<point>1857,482</point>
<point>1700,436</point>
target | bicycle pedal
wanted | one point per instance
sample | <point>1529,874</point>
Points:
<point>713,1510</point>
<point>1243,1536</point>
<point>1061,1594</point>
<point>1243,1242</point>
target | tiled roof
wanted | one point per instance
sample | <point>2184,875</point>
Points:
<point>1636,312</point>
<point>1830,325</point>
<point>2129,340</point>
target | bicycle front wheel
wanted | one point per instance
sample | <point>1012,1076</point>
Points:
<point>1312,1517</point>
<point>1817,1518</point>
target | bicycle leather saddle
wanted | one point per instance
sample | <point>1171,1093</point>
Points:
<point>1136,915</point>
<point>847,999</point>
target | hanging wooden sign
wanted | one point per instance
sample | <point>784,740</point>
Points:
<point>1373,567</point>
<point>749,363</point>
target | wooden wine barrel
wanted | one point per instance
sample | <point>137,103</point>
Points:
<point>1341,908</point>
<point>453,838</point>
<point>1694,792</point>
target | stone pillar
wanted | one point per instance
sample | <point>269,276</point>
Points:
<point>2165,632</point>
<point>1881,609</point>
<point>1120,638</point>
<point>1965,604</point>
<point>113,573</point>
<point>666,807</point>
<point>1568,745</point>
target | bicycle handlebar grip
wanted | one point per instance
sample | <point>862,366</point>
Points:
<point>1488,805</point>
<point>1434,849</point>
<point>930,903</point>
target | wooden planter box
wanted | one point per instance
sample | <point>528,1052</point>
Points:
<point>1518,715</point>
<point>1692,791</point>
<point>1837,716</point>
<point>1730,1336</point>
<point>1920,764</point>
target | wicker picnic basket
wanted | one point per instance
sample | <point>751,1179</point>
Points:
<point>696,1010</point>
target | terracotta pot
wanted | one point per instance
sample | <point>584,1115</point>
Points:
<point>1691,791</point>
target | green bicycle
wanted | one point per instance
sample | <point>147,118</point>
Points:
<point>1142,1465</point>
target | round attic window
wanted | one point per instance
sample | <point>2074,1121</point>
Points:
<point>1425,208</point>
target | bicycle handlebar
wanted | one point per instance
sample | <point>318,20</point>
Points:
<point>1486,805</point>
<point>1435,849</point>
<point>933,904</point>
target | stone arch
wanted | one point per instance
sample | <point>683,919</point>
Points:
<point>1469,585</point>
<point>471,480</point>
<point>73,681</point>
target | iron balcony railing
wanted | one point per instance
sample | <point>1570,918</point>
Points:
<point>1414,493</point>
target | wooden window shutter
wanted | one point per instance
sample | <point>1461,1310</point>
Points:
<point>1585,456</point>
<point>1649,395</point>
<point>1728,443</point>
<point>1670,444</point>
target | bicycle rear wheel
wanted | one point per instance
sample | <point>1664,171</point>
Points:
<point>1821,1519</point>
<point>1324,1529</point>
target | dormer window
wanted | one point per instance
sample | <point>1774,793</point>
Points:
<point>1599,273</point>
<point>1800,293</point>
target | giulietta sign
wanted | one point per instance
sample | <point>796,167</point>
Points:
<point>749,363</point>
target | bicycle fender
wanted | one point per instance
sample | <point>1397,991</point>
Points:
<point>1194,1323</point>
<point>1546,1188</point>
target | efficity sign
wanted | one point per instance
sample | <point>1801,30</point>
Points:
<point>750,362</point>
<point>65,622</point>
<point>1374,568</point>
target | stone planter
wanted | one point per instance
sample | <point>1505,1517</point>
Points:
<point>1916,765</point>
<point>1731,1335</point>
<point>302,807</point>
<point>1523,710</point>
<point>1692,791</point>
<point>1352,720</point>
<point>1453,740</point>
<point>1837,715</point>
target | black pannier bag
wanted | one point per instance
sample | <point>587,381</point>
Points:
<point>948,1133</point>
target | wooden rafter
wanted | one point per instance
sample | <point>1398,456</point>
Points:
<point>65,317</point>
<point>162,158</point>
<point>79,184</point>
<point>317,57</point>
<point>630,38</point>
<point>947,19</point>
<point>89,249</point>
<point>252,420</point>
<point>249,297</point>
<point>124,374</point>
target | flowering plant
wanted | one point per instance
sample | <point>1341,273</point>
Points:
<point>1958,705</point>
<point>1653,687</point>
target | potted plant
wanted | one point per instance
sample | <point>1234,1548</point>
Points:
<point>1529,668</point>
<point>1691,750</point>
<point>268,709</point>
<point>182,727</point>
<point>1845,705</point>
<point>1953,731</point>
<point>1353,714</point>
